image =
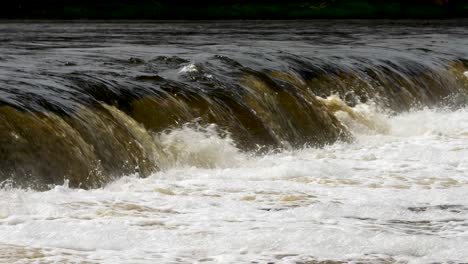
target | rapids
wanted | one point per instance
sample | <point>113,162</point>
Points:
<point>398,196</point>
<point>234,142</point>
<point>86,102</point>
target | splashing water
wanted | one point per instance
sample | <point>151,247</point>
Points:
<point>271,142</point>
<point>197,146</point>
<point>393,196</point>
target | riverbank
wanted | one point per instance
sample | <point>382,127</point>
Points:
<point>231,9</point>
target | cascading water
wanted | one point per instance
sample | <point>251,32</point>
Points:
<point>281,142</point>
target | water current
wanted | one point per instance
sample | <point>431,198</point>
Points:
<point>234,142</point>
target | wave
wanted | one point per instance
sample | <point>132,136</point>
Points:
<point>90,128</point>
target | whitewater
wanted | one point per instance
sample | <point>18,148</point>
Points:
<point>306,142</point>
<point>394,197</point>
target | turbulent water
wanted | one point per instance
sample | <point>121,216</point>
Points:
<point>234,142</point>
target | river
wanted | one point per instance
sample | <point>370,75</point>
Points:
<point>234,141</point>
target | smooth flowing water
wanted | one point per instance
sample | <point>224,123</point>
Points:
<point>234,142</point>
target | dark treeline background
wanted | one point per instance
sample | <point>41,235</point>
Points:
<point>231,9</point>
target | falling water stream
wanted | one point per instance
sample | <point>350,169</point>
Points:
<point>234,142</point>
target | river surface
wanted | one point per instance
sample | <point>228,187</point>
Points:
<point>234,142</point>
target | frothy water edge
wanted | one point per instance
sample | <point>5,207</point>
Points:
<point>234,142</point>
<point>397,196</point>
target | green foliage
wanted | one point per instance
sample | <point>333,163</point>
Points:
<point>235,9</point>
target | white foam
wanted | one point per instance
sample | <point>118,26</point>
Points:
<point>194,145</point>
<point>398,196</point>
<point>189,68</point>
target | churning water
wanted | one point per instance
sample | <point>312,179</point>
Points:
<point>239,142</point>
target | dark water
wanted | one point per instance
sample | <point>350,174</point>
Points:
<point>86,101</point>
